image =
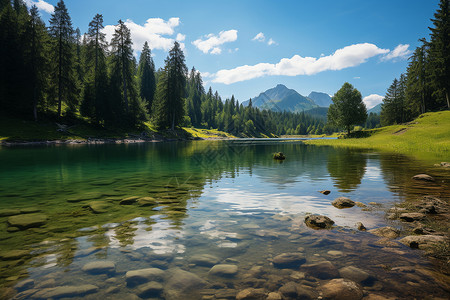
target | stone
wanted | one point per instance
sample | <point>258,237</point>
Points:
<point>100,267</point>
<point>66,291</point>
<point>411,217</point>
<point>150,289</point>
<point>318,222</point>
<point>289,290</point>
<point>14,254</point>
<point>29,210</point>
<point>25,285</point>
<point>354,274</point>
<point>274,296</point>
<point>423,177</point>
<point>335,253</point>
<point>27,221</point>
<point>343,202</point>
<point>325,192</point>
<point>99,207</point>
<point>422,241</point>
<point>140,276</point>
<point>360,204</point>
<point>322,270</point>
<point>342,289</point>
<point>9,212</point>
<point>289,260</point>
<point>146,201</point>
<point>251,294</point>
<point>181,282</point>
<point>224,270</point>
<point>292,290</point>
<point>129,200</point>
<point>388,232</point>
<point>205,260</point>
<point>361,226</point>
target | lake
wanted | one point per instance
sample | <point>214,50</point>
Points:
<point>204,220</point>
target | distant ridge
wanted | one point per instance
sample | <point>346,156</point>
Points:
<point>376,109</point>
<point>321,99</point>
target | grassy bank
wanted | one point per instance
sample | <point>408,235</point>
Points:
<point>427,137</point>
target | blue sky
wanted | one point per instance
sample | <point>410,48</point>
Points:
<point>244,47</point>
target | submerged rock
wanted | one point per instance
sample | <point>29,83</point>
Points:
<point>27,221</point>
<point>180,283</point>
<point>136,277</point>
<point>422,241</point>
<point>151,289</point>
<point>224,270</point>
<point>355,274</point>
<point>321,270</point>
<point>251,294</point>
<point>100,267</point>
<point>129,200</point>
<point>99,207</point>
<point>343,202</point>
<point>146,201</point>
<point>9,212</point>
<point>14,254</point>
<point>342,289</point>
<point>318,222</point>
<point>206,260</point>
<point>289,260</point>
<point>65,291</point>
<point>388,232</point>
<point>423,177</point>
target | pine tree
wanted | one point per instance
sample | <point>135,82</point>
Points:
<point>391,109</point>
<point>440,51</point>
<point>146,75</point>
<point>63,41</point>
<point>36,58</point>
<point>96,84</point>
<point>170,91</point>
<point>347,108</point>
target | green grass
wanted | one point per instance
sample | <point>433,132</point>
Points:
<point>427,137</point>
<point>207,133</point>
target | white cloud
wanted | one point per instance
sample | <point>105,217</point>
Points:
<point>346,57</point>
<point>271,42</point>
<point>180,37</point>
<point>356,77</point>
<point>41,5</point>
<point>372,100</point>
<point>259,37</point>
<point>152,32</point>
<point>212,42</point>
<point>400,52</point>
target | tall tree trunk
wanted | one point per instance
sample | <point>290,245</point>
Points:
<point>125,96</point>
<point>448,100</point>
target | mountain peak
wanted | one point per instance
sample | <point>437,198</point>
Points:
<point>281,86</point>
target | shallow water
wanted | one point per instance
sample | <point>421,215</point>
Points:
<point>228,199</point>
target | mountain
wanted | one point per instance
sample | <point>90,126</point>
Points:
<point>321,99</point>
<point>376,109</point>
<point>280,98</point>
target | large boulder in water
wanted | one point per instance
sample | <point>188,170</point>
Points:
<point>180,283</point>
<point>27,221</point>
<point>136,277</point>
<point>423,177</point>
<point>100,267</point>
<point>343,202</point>
<point>289,260</point>
<point>224,270</point>
<point>65,291</point>
<point>318,222</point>
<point>342,289</point>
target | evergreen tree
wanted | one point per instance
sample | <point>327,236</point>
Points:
<point>392,110</point>
<point>347,108</point>
<point>440,52</point>
<point>96,82</point>
<point>63,40</point>
<point>146,75</point>
<point>36,58</point>
<point>169,101</point>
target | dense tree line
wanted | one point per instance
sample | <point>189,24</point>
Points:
<point>56,72</point>
<point>426,84</point>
